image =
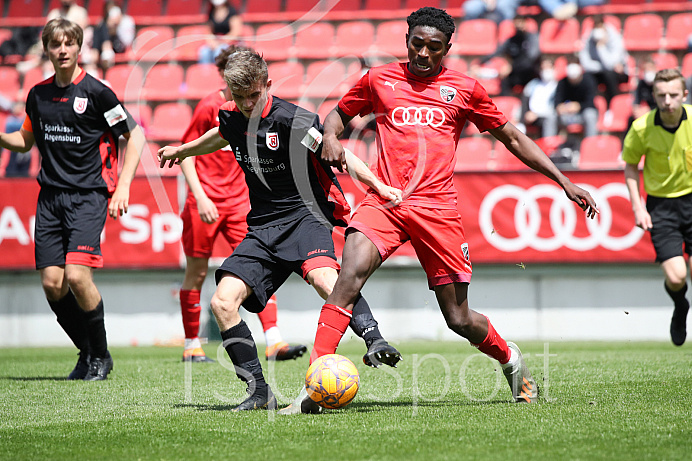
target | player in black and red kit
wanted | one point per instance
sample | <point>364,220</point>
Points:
<point>421,108</point>
<point>75,121</point>
<point>295,201</point>
<point>217,203</point>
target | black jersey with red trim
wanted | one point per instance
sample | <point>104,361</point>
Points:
<point>279,153</point>
<point>76,129</point>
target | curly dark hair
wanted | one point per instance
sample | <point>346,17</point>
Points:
<point>432,17</point>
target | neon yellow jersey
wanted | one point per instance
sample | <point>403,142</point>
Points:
<point>667,156</point>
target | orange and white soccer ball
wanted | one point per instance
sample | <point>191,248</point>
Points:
<point>332,381</point>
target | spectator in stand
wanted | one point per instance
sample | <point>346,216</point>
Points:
<point>114,34</point>
<point>538,101</point>
<point>226,25</point>
<point>23,38</point>
<point>19,162</point>
<point>565,9</point>
<point>523,54</point>
<point>574,101</point>
<point>644,93</point>
<point>604,56</point>
<point>496,10</point>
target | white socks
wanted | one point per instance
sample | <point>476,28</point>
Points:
<point>273,336</point>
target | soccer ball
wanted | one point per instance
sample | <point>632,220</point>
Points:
<point>332,381</point>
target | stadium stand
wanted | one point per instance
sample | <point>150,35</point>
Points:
<point>354,38</point>
<point>559,37</point>
<point>678,30</point>
<point>504,160</point>
<point>477,37</point>
<point>324,79</point>
<point>600,152</point>
<point>140,9</point>
<point>126,81</point>
<point>274,40</point>
<point>153,43</point>
<point>388,39</point>
<point>188,40</point>
<point>506,28</point>
<point>10,82</point>
<point>182,7</point>
<point>163,82</point>
<point>643,32</point>
<point>474,154</point>
<point>168,121</point>
<point>26,9</point>
<point>200,80</point>
<point>287,78</point>
<point>315,41</point>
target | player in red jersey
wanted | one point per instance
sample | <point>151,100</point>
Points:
<point>421,108</point>
<point>217,203</point>
<point>75,120</point>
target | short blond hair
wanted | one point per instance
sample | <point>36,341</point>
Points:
<point>244,68</point>
<point>61,27</point>
<point>668,75</point>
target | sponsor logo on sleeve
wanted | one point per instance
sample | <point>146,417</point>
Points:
<point>115,115</point>
<point>80,105</point>
<point>312,139</point>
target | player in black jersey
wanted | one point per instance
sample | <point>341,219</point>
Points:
<point>295,201</point>
<point>75,121</point>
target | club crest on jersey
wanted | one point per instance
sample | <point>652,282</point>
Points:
<point>447,93</point>
<point>80,105</point>
<point>273,140</point>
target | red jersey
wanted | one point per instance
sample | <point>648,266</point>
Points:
<point>222,178</point>
<point>419,121</point>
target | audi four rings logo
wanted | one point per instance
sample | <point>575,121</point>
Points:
<point>421,116</point>
<point>562,216</point>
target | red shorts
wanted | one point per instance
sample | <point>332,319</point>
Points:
<point>437,236</point>
<point>199,237</point>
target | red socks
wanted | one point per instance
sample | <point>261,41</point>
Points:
<point>331,327</point>
<point>190,308</point>
<point>494,346</point>
<point>268,315</point>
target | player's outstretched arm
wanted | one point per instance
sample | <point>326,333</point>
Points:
<point>209,142</point>
<point>642,218</point>
<point>528,152</point>
<point>332,150</point>
<point>17,141</point>
<point>360,171</point>
<point>120,201</point>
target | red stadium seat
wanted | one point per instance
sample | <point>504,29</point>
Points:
<point>95,10</point>
<point>126,81</point>
<point>643,32</point>
<point>287,79</point>
<point>489,74</point>
<point>506,28</point>
<point>382,4</point>
<point>456,63</point>
<point>390,39</point>
<point>665,60</point>
<point>621,108</point>
<point>474,154</point>
<point>325,79</point>
<point>412,5</point>
<point>263,6</point>
<point>10,83</point>
<point>558,37</point>
<point>169,121</point>
<point>510,106</point>
<point>314,41</point>
<point>274,41</point>
<point>163,82</point>
<point>600,153</point>
<point>325,108</point>
<point>5,34</point>
<point>354,38</point>
<point>141,8</point>
<point>602,106</point>
<point>302,6</point>
<point>202,79</point>
<point>142,114</point>
<point>25,9</point>
<point>342,5</point>
<point>188,40</point>
<point>475,37</point>
<point>504,160</point>
<point>560,67</point>
<point>31,78</point>
<point>153,43</point>
<point>183,7</point>
<point>687,65</point>
<point>678,29</point>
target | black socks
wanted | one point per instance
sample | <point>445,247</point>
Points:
<point>241,348</point>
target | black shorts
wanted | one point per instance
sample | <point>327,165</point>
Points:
<point>672,225</point>
<point>268,255</point>
<point>68,227</point>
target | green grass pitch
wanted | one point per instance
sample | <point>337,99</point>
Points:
<point>445,401</point>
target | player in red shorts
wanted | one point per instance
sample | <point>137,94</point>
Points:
<point>421,108</point>
<point>217,203</point>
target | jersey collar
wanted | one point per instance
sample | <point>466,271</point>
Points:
<point>657,120</point>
